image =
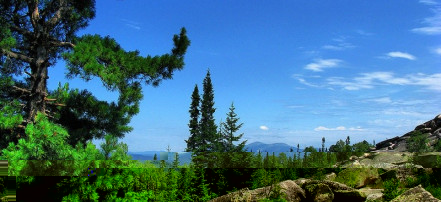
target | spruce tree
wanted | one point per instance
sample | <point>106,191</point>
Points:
<point>207,125</point>
<point>230,128</point>
<point>192,143</point>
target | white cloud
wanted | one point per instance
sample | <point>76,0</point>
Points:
<point>341,46</point>
<point>302,81</point>
<point>339,128</point>
<point>132,24</point>
<point>383,100</point>
<point>264,128</point>
<point>438,51</point>
<point>370,80</point>
<point>429,2</point>
<point>320,64</point>
<point>433,23</point>
<point>398,54</point>
<point>364,33</point>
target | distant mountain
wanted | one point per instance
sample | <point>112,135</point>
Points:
<point>275,147</point>
<point>184,157</point>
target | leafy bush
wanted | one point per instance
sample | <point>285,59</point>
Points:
<point>391,189</point>
<point>417,142</point>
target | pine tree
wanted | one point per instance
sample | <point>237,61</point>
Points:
<point>230,128</point>
<point>176,160</point>
<point>323,144</point>
<point>34,34</point>
<point>192,142</point>
<point>207,125</point>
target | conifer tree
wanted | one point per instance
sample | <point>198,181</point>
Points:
<point>192,142</point>
<point>176,160</point>
<point>34,34</point>
<point>230,128</point>
<point>207,125</point>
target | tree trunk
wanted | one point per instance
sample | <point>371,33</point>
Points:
<point>39,76</point>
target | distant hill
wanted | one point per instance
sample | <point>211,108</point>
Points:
<point>184,157</point>
<point>275,147</point>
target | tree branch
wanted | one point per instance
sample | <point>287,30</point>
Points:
<point>57,16</point>
<point>17,55</point>
<point>21,89</point>
<point>62,44</point>
<point>20,30</point>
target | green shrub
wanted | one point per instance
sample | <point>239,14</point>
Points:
<point>434,190</point>
<point>417,142</point>
<point>391,189</point>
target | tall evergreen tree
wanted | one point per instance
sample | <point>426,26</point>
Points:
<point>230,128</point>
<point>207,125</point>
<point>192,142</point>
<point>34,34</point>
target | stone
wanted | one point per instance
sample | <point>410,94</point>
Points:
<point>358,177</point>
<point>319,192</point>
<point>417,193</point>
<point>289,189</point>
<point>399,144</point>
<point>428,160</point>
<point>375,197</point>
<point>330,176</point>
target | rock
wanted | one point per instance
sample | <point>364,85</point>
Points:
<point>319,192</point>
<point>389,174</point>
<point>289,189</point>
<point>358,177</point>
<point>372,194</point>
<point>399,144</point>
<point>349,195</point>
<point>428,160</point>
<point>416,194</point>
<point>292,191</point>
<point>330,176</point>
<point>375,197</point>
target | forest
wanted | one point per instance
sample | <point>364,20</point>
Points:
<point>46,135</point>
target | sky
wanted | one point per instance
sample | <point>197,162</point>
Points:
<point>296,71</point>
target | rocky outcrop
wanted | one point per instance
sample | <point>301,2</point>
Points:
<point>399,144</point>
<point>299,190</point>
<point>326,190</point>
<point>416,194</point>
<point>290,191</point>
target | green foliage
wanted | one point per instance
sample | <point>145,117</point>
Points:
<point>208,128</point>
<point>361,147</point>
<point>437,146</point>
<point>193,141</point>
<point>391,189</point>
<point>230,127</point>
<point>417,142</point>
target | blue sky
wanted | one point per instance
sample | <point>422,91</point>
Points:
<point>296,71</point>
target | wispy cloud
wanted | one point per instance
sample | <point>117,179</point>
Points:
<point>339,128</point>
<point>429,2</point>
<point>438,51</point>
<point>433,24</point>
<point>382,100</point>
<point>339,44</point>
<point>132,24</point>
<point>304,82</point>
<point>370,80</point>
<point>363,33</point>
<point>264,128</point>
<point>321,64</point>
<point>398,54</point>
